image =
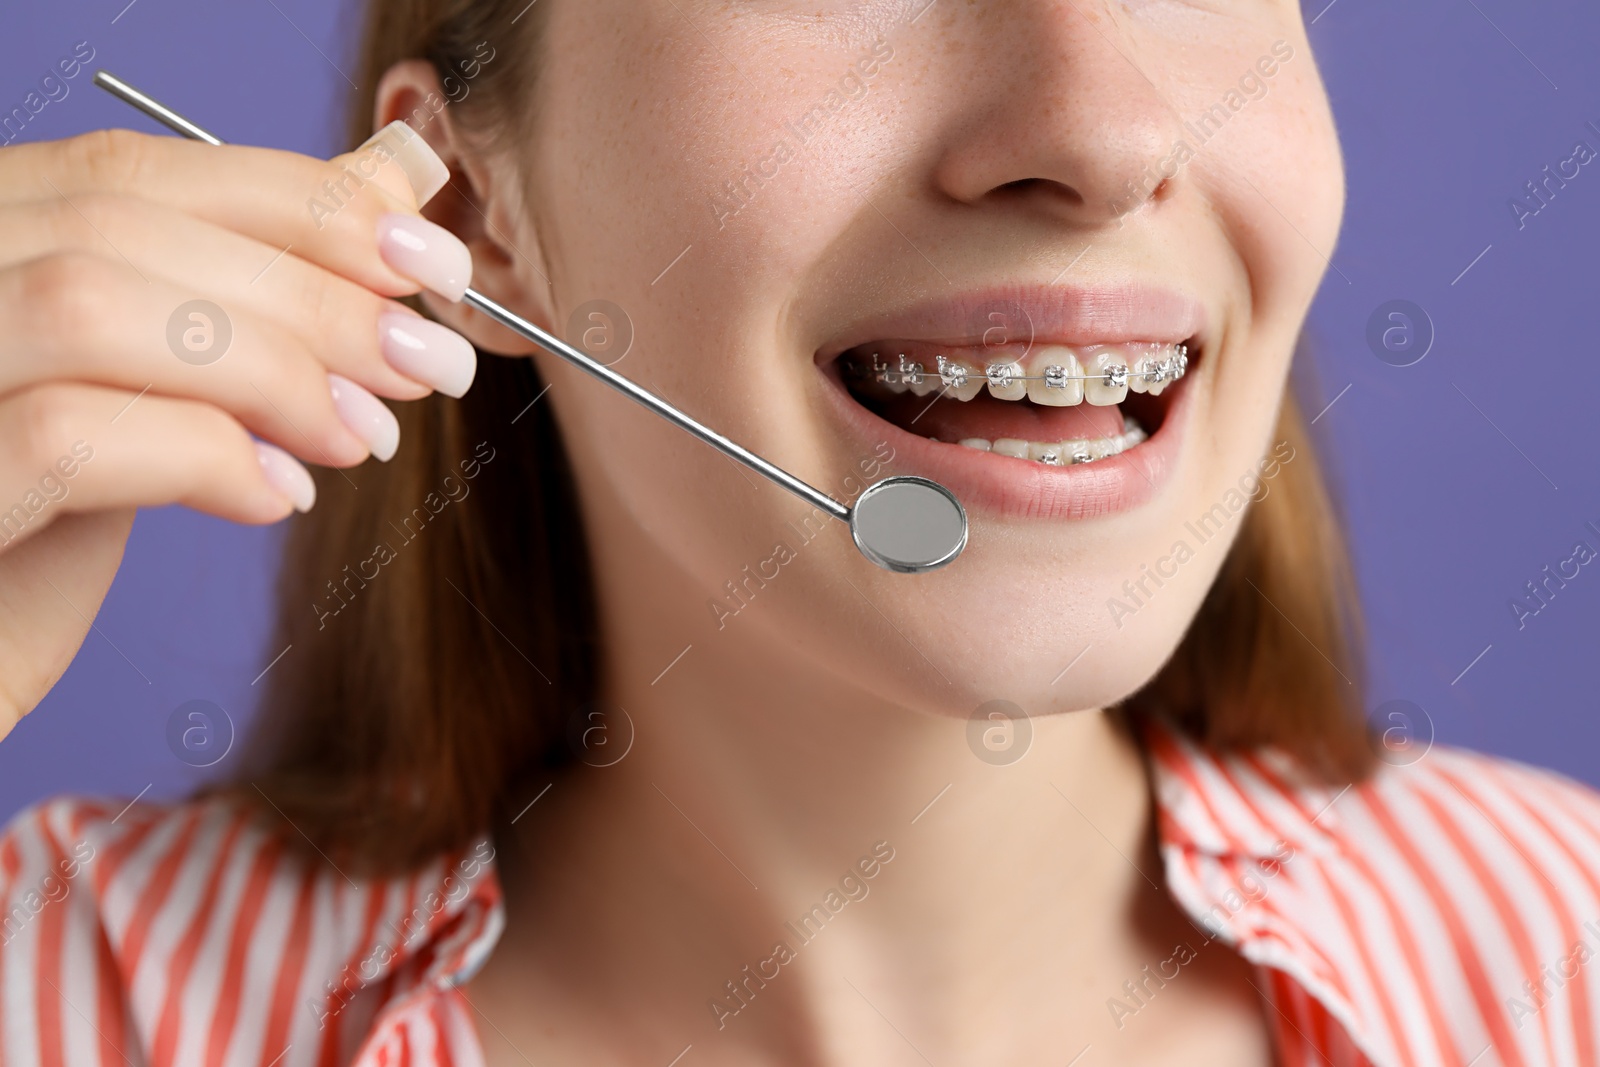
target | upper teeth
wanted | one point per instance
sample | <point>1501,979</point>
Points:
<point>1100,374</point>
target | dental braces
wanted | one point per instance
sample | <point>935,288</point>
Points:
<point>1001,375</point>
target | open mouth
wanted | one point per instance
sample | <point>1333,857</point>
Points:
<point>1051,404</point>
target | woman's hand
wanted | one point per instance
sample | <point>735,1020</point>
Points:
<point>182,323</point>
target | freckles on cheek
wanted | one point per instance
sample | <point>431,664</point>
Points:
<point>636,112</point>
<point>755,165</point>
<point>1278,189</point>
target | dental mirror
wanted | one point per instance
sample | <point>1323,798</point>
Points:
<point>909,524</point>
<point>906,524</point>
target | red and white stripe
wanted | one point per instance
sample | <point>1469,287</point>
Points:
<point>1391,923</point>
<point>1412,910</point>
<point>194,936</point>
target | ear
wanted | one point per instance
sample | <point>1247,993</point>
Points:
<point>479,205</point>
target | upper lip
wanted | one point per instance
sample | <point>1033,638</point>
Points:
<point>1053,314</point>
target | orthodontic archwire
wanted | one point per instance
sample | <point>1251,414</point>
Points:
<point>954,375</point>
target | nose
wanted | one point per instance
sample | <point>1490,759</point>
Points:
<point>1071,126</point>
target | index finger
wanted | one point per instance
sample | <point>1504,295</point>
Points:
<point>326,211</point>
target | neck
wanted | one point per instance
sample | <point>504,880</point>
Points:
<point>776,833</point>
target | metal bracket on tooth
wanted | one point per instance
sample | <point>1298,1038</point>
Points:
<point>954,376</point>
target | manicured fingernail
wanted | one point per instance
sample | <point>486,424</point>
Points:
<point>366,416</point>
<point>424,169</point>
<point>432,354</point>
<point>426,253</point>
<point>285,474</point>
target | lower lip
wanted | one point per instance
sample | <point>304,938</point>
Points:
<point>1021,488</point>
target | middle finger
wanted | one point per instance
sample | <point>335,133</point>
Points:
<point>380,343</point>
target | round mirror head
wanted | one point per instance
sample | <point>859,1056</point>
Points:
<point>909,524</point>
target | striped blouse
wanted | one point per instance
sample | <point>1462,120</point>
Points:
<point>1444,912</point>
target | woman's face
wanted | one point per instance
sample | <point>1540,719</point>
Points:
<point>775,192</point>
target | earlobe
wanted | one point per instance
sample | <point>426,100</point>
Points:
<point>475,194</point>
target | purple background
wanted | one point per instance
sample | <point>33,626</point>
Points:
<point>1463,474</point>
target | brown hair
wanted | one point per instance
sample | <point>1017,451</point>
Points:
<point>440,613</point>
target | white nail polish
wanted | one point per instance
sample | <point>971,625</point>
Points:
<point>427,253</point>
<point>286,476</point>
<point>427,352</point>
<point>366,416</point>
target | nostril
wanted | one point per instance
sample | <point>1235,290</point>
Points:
<point>1024,190</point>
<point>1022,185</point>
<point>1066,191</point>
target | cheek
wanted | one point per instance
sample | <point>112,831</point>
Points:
<point>1278,186</point>
<point>1275,183</point>
<point>666,144</point>
<point>695,201</point>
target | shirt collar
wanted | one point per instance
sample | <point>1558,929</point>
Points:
<point>1239,833</point>
<point>448,919</point>
<point>1257,807</point>
<point>1240,805</point>
<point>1249,805</point>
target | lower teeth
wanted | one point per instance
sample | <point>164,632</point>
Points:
<point>1061,453</point>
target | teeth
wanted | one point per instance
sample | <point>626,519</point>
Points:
<point>904,375</point>
<point>1108,379</point>
<point>1011,446</point>
<point>888,376</point>
<point>1052,454</point>
<point>1055,375</point>
<point>1058,383</point>
<point>1140,367</point>
<point>960,381</point>
<point>1151,373</point>
<point>1005,381</point>
<point>916,377</point>
<point>1061,453</point>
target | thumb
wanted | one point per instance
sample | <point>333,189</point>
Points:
<point>397,165</point>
